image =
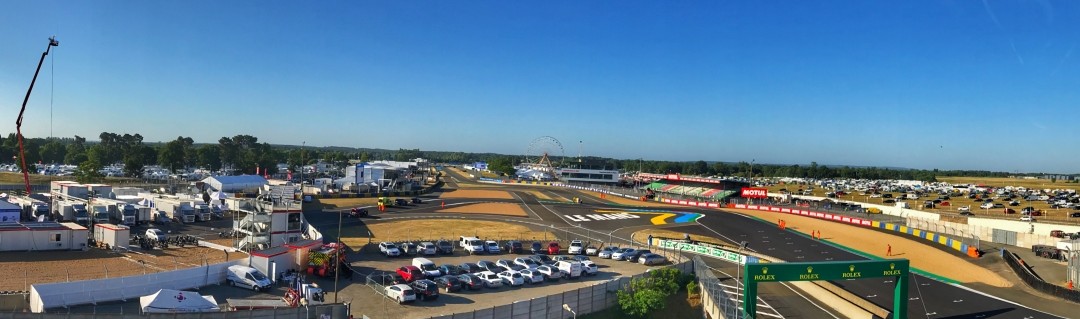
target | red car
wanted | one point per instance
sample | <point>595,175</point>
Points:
<point>553,248</point>
<point>410,273</point>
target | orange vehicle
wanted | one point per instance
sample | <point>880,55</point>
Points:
<point>327,260</point>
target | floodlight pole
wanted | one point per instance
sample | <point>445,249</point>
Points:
<point>337,258</point>
<point>18,121</point>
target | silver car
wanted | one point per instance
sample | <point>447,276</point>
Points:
<point>606,252</point>
<point>622,253</point>
<point>651,259</point>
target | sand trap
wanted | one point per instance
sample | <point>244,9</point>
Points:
<point>505,209</point>
<point>875,243</point>
<point>473,193</point>
<point>539,195</point>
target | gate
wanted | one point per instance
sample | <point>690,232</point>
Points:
<point>1004,237</point>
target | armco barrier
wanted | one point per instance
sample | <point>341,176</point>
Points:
<point>931,236</point>
<point>1020,268</point>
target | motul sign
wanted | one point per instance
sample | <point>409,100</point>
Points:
<point>749,192</point>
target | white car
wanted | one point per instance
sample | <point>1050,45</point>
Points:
<point>1027,218</point>
<point>576,247</point>
<point>401,292</point>
<point>606,252</point>
<point>492,247</point>
<point>532,276</point>
<point>512,278</point>
<point>987,205</point>
<point>589,268</point>
<point>491,280</point>
<point>428,248</point>
<point>155,234</point>
<point>549,272</point>
<point>526,262</point>
<point>389,249</point>
<point>592,250</point>
<point>965,208</point>
<point>505,263</point>
<point>622,253</point>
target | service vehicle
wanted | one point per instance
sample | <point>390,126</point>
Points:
<point>569,268</point>
<point>325,261</point>
<point>243,276</point>
<point>428,267</point>
<point>472,245</point>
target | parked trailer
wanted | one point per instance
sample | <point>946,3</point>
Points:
<point>100,213</point>
<point>112,235</point>
<point>74,211</point>
<point>32,209</point>
<point>177,210</point>
<point>202,212</point>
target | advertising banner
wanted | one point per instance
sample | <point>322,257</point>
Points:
<point>753,192</point>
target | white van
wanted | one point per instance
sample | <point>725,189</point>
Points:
<point>426,266</point>
<point>569,268</point>
<point>243,276</point>
<point>472,245</point>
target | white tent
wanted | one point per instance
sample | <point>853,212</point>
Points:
<point>171,301</point>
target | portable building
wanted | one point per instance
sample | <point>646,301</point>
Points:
<point>42,236</point>
<point>9,212</point>
<point>113,235</point>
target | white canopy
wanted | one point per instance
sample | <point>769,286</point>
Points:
<point>171,301</point>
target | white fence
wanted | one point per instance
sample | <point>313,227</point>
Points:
<point>63,294</point>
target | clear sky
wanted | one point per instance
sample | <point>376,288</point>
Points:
<point>923,84</point>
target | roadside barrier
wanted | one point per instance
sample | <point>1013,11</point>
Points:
<point>1021,269</point>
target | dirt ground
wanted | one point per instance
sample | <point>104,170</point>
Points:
<point>27,268</point>
<point>924,258</point>
<point>505,209</point>
<point>439,228</point>
<point>476,194</point>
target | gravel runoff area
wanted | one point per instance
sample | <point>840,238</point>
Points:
<point>366,301</point>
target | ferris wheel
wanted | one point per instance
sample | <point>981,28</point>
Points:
<point>542,149</point>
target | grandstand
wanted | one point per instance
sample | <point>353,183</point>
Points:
<point>695,187</point>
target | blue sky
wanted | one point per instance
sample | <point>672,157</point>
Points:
<point>923,84</point>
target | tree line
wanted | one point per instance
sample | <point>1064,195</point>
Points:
<point>244,153</point>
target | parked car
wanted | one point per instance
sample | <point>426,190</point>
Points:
<point>1009,211</point>
<point>1014,203</point>
<point>428,249</point>
<point>541,259</point>
<point>409,248</point>
<point>965,208</point>
<point>651,259</point>
<point>155,234</point>
<point>553,248</point>
<point>576,247</point>
<point>591,250</point>
<point>489,266</point>
<point>580,258</point>
<point>450,283</point>
<point>389,249</point>
<point>532,276</point>
<point>513,247</point>
<point>357,212</point>
<point>416,200</point>
<point>967,213</point>
<point>492,247</point>
<point>512,278</point>
<point>401,202</point>
<point>551,273</point>
<point>1075,214</point>
<point>451,270</point>
<point>634,256</point>
<point>998,205</point>
<point>537,248</point>
<point>1027,218</point>
<point>605,252</point>
<point>526,262</point>
<point>471,268</point>
<point>505,263</point>
<point>410,273</point>
<point>445,247</point>
<point>425,289</point>
<point>401,293</point>
<point>561,258</point>
<point>491,279</point>
<point>622,253</point>
<point>472,281</point>
<point>986,206</point>
<point>589,268</point>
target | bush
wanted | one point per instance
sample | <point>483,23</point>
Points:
<point>640,303</point>
<point>691,287</point>
<point>647,294</point>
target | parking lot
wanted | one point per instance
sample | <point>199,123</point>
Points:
<point>368,299</point>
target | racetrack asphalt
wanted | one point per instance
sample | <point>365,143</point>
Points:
<point>928,298</point>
